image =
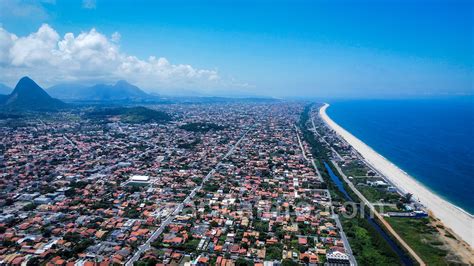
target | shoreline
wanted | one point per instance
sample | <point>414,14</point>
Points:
<point>452,216</point>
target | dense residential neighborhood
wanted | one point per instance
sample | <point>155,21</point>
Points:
<point>236,133</point>
<point>218,184</point>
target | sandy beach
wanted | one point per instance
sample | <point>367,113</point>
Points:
<point>459,221</point>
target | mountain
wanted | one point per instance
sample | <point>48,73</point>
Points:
<point>28,95</point>
<point>67,91</point>
<point>4,89</point>
<point>3,98</point>
<point>120,91</point>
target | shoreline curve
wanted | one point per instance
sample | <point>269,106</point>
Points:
<point>452,216</point>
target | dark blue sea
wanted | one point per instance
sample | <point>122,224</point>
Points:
<point>430,139</point>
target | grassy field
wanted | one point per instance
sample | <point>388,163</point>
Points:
<point>373,194</point>
<point>422,237</point>
<point>354,171</point>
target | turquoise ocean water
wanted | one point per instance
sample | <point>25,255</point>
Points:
<point>431,139</point>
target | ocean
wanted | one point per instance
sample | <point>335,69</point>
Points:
<point>430,139</point>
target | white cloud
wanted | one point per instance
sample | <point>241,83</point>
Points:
<point>89,4</point>
<point>35,48</point>
<point>6,42</point>
<point>116,37</point>
<point>91,56</point>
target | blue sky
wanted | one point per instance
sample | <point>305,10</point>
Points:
<point>361,49</point>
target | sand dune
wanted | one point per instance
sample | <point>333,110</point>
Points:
<point>459,221</point>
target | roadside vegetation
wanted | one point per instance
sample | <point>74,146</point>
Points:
<point>421,234</point>
<point>368,246</point>
<point>422,237</point>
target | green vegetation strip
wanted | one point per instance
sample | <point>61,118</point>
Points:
<point>422,237</point>
<point>368,246</point>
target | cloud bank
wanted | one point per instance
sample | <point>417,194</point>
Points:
<point>91,56</point>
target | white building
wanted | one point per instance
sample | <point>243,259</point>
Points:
<point>139,180</point>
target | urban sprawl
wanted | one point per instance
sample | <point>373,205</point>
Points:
<point>219,184</point>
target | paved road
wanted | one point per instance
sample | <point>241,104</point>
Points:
<point>72,143</point>
<point>379,216</point>
<point>370,205</point>
<point>147,245</point>
<point>347,246</point>
<point>360,157</point>
<point>308,159</point>
<point>317,133</point>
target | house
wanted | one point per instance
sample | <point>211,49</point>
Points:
<point>335,257</point>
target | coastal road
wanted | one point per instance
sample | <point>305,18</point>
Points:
<point>379,216</point>
<point>376,213</point>
<point>359,156</point>
<point>147,245</point>
<point>317,133</point>
<point>352,149</point>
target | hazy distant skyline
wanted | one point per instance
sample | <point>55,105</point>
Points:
<point>270,48</point>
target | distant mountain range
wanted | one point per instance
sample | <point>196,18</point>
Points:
<point>27,95</point>
<point>119,92</point>
<point>4,89</point>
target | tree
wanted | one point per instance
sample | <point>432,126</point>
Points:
<point>29,207</point>
<point>400,205</point>
<point>243,262</point>
<point>33,261</point>
<point>274,252</point>
<point>289,262</point>
<point>407,198</point>
<point>306,260</point>
<point>146,262</point>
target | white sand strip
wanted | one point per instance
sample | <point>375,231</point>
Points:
<point>461,222</point>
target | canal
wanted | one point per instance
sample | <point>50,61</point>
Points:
<point>402,255</point>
